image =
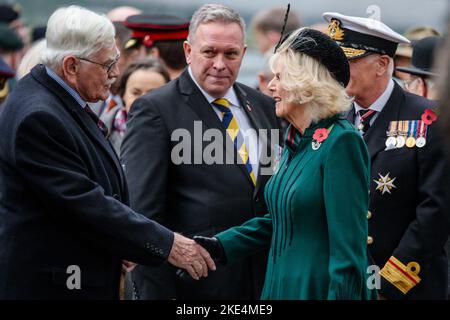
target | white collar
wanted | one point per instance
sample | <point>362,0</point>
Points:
<point>379,104</point>
<point>230,95</point>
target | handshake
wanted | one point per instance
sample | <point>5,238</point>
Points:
<point>196,256</point>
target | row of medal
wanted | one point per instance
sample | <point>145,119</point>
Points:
<point>410,133</point>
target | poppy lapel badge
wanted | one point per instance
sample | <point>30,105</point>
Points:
<point>319,136</point>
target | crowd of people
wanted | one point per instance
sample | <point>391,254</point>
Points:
<point>129,152</point>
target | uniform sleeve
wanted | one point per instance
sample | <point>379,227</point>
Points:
<point>47,156</point>
<point>245,240</point>
<point>145,153</point>
<point>427,233</point>
<point>346,185</point>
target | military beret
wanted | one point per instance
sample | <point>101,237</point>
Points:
<point>359,37</point>
<point>9,39</point>
<point>322,48</point>
<point>148,28</point>
<point>9,13</point>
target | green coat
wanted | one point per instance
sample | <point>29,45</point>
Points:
<point>317,223</point>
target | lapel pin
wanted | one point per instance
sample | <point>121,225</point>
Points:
<point>248,107</point>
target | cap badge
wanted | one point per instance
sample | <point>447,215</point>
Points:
<point>335,31</point>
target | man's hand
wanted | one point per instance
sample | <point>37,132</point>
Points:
<point>187,254</point>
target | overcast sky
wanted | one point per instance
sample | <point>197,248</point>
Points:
<point>399,14</point>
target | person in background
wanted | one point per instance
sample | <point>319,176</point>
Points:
<point>38,33</point>
<point>10,14</point>
<point>422,79</point>
<point>121,13</point>
<point>266,26</point>
<point>10,52</point>
<point>162,37</point>
<point>31,58</point>
<point>404,51</point>
<point>5,73</point>
<point>139,78</point>
<point>265,75</point>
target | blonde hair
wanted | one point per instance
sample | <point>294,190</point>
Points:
<point>309,83</point>
<point>31,58</point>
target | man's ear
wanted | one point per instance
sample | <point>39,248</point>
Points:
<point>187,51</point>
<point>70,66</point>
<point>383,64</point>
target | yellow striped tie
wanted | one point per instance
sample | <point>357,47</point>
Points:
<point>231,125</point>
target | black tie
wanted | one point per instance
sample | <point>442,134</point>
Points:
<point>97,120</point>
<point>365,116</point>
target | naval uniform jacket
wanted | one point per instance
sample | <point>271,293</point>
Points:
<point>407,225</point>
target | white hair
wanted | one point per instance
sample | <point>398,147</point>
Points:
<point>214,13</point>
<point>76,31</point>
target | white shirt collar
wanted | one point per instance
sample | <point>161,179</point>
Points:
<point>230,95</point>
<point>379,104</point>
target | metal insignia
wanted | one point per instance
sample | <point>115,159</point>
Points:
<point>385,184</point>
<point>334,30</point>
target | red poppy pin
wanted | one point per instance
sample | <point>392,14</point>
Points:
<point>320,135</point>
<point>429,116</point>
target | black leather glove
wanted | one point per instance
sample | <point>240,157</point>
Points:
<point>214,248</point>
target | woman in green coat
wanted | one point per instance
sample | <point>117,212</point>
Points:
<point>316,227</point>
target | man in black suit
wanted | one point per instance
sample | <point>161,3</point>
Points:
<point>185,188</point>
<point>64,224</point>
<point>408,226</point>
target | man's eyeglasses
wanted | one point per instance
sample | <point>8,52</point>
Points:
<point>107,66</point>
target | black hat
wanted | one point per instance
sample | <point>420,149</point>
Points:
<point>148,28</point>
<point>322,48</point>
<point>9,13</point>
<point>422,57</point>
<point>359,37</point>
<point>9,39</point>
<point>38,33</point>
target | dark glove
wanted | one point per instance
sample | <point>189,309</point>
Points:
<point>213,246</point>
<point>215,250</point>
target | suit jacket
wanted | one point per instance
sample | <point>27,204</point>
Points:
<point>407,225</point>
<point>62,200</point>
<point>194,199</point>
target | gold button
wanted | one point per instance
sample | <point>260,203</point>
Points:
<point>369,240</point>
<point>369,214</point>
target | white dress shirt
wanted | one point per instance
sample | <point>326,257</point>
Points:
<point>248,132</point>
<point>378,105</point>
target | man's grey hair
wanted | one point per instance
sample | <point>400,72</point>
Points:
<point>214,13</point>
<point>76,31</point>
